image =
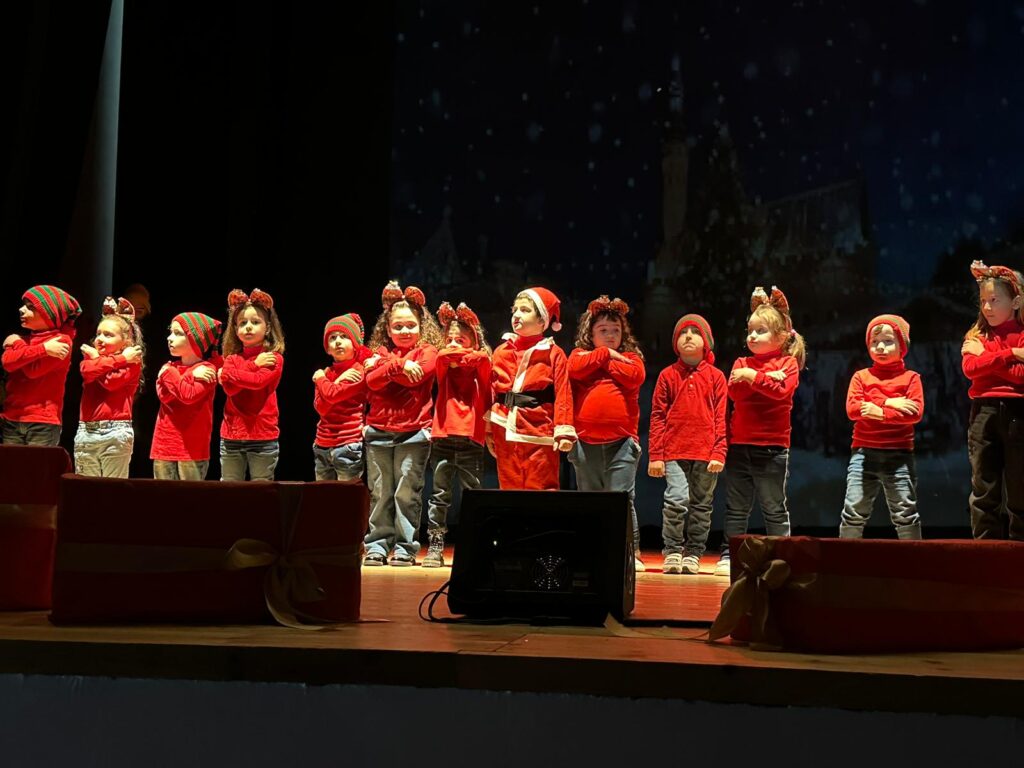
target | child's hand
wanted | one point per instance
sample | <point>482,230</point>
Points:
<point>489,442</point>
<point>871,411</point>
<point>972,347</point>
<point>614,354</point>
<point>87,351</point>
<point>714,466</point>
<point>779,375</point>
<point>1018,352</point>
<point>656,468</point>
<point>266,360</point>
<point>204,373</point>
<point>132,355</point>
<point>12,339</point>
<point>563,445</point>
<point>319,374</point>
<point>742,374</point>
<point>412,370</point>
<point>60,350</point>
<point>370,362</point>
<point>352,375</point>
<point>904,405</point>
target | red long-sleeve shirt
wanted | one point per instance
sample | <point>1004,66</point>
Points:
<point>250,412</point>
<point>341,405</point>
<point>996,372</point>
<point>35,381</point>
<point>463,394</point>
<point>761,410</point>
<point>109,386</point>
<point>688,414</point>
<point>605,395</point>
<point>185,420</point>
<point>876,385</point>
<point>397,403</point>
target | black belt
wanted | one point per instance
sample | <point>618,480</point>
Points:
<point>529,399</point>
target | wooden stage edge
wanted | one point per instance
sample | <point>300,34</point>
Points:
<point>398,649</point>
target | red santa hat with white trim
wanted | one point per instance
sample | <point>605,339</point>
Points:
<point>548,306</point>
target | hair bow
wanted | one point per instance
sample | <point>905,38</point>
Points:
<point>393,293</point>
<point>983,272</point>
<point>238,297</point>
<point>777,301</point>
<point>603,304</point>
<point>119,306</point>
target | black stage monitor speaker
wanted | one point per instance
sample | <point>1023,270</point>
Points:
<point>543,556</point>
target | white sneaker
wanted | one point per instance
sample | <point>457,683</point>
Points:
<point>723,567</point>
<point>673,563</point>
<point>691,564</point>
<point>638,564</point>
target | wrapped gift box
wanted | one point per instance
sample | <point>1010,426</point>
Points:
<point>224,552</point>
<point>865,596</point>
<point>29,478</point>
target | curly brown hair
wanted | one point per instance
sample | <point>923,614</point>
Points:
<point>272,342</point>
<point>585,332</point>
<point>430,331</point>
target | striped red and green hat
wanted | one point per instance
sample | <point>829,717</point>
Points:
<point>202,331</point>
<point>703,328</point>
<point>54,304</point>
<point>349,324</point>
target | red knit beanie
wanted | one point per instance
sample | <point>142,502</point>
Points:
<point>548,306</point>
<point>349,324</point>
<point>899,325</point>
<point>202,331</point>
<point>56,306</point>
<point>703,328</point>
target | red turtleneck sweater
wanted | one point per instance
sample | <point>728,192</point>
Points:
<point>185,421</point>
<point>761,410</point>
<point>876,385</point>
<point>250,412</point>
<point>397,403</point>
<point>605,392</point>
<point>463,393</point>
<point>997,372</point>
<point>109,386</point>
<point>341,405</point>
<point>35,381</point>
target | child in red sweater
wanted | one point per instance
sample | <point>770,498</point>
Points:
<point>111,376</point>
<point>400,378</point>
<point>37,364</point>
<point>185,387</point>
<point>884,402</point>
<point>761,388</point>
<point>993,359</point>
<point>531,419</point>
<point>457,434</point>
<point>688,442</point>
<point>606,370</point>
<point>253,362</point>
<point>340,398</point>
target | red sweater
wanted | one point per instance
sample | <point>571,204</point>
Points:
<point>341,405</point>
<point>463,394</point>
<point>996,372</point>
<point>109,386</point>
<point>876,385</point>
<point>250,412</point>
<point>688,414</point>
<point>398,404</point>
<point>605,395</point>
<point>761,410</point>
<point>185,420</point>
<point>35,381</point>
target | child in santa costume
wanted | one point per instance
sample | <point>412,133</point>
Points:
<point>185,387</point>
<point>531,419</point>
<point>761,387</point>
<point>37,363</point>
<point>688,442</point>
<point>458,430</point>
<point>112,376</point>
<point>340,399</point>
<point>253,363</point>
<point>606,370</point>
<point>400,377</point>
<point>884,402</point>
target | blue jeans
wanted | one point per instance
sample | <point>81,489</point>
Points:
<point>343,462</point>
<point>453,460</point>
<point>260,456</point>
<point>180,470</point>
<point>395,465</point>
<point>104,448</point>
<point>28,433</point>
<point>756,471</point>
<point>608,467</point>
<point>894,472</point>
<point>686,514</point>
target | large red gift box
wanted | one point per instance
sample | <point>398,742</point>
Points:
<point>29,478</point>
<point>225,552</point>
<point>871,596</point>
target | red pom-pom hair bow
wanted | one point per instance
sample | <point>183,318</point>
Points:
<point>393,292</point>
<point>777,300</point>
<point>239,297</point>
<point>602,304</point>
<point>445,314</point>
<point>119,306</point>
<point>983,272</point>
<point>467,316</point>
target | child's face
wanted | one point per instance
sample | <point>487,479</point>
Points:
<point>30,319</point>
<point>404,328</point>
<point>526,320</point>
<point>690,345</point>
<point>997,306</point>
<point>110,340</point>
<point>177,341</point>
<point>606,332</point>
<point>251,327</point>
<point>760,339</point>
<point>458,337</point>
<point>884,347</point>
<point>340,346</point>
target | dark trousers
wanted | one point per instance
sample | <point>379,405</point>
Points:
<point>995,445</point>
<point>756,472</point>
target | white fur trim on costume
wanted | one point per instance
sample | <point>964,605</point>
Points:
<point>565,431</point>
<point>543,310</point>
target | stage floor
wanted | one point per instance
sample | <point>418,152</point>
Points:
<point>393,646</point>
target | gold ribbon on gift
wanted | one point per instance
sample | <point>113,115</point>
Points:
<point>290,579</point>
<point>28,515</point>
